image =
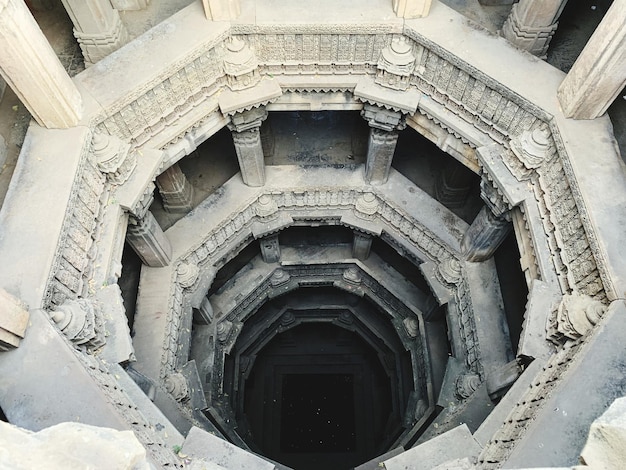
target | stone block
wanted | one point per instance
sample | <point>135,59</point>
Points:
<point>200,444</point>
<point>454,444</point>
<point>70,445</point>
<point>13,320</point>
<point>606,445</point>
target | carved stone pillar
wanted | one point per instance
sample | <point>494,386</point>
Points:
<point>453,185</point>
<point>244,101</point>
<point>13,321</point>
<point>532,23</point>
<point>270,249</point>
<point>97,27</point>
<point>130,4</point>
<point>148,240</point>
<point>247,138</point>
<point>599,73</point>
<point>490,227</point>
<point>175,190</point>
<point>33,71</point>
<point>361,245</point>
<point>382,142</point>
<point>411,8</point>
<point>221,10</point>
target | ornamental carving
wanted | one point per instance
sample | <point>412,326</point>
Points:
<point>82,322</point>
<point>574,317</point>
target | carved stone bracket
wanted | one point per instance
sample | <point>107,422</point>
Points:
<point>574,317</point>
<point>396,64</point>
<point>113,157</point>
<point>533,148</point>
<point>82,322</point>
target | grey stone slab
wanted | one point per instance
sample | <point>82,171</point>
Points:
<point>454,444</point>
<point>34,212</point>
<point>161,426</point>
<point>376,463</point>
<point>43,382</point>
<point>499,414</point>
<point>558,433</point>
<point>203,445</point>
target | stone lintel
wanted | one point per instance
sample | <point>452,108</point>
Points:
<point>491,159</point>
<point>232,102</point>
<point>373,228</point>
<point>276,224</point>
<point>404,102</point>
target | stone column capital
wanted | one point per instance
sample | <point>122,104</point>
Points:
<point>248,119</point>
<point>384,119</point>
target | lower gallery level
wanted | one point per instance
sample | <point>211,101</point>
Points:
<point>319,241</point>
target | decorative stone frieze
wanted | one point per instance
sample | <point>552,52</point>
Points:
<point>396,64</point>
<point>13,320</point>
<point>82,322</point>
<point>113,157</point>
<point>574,317</point>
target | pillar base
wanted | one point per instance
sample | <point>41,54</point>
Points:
<point>532,39</point>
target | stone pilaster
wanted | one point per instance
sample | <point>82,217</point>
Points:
<point>97,27</point>
<point>490,227</point>
<point>361,245</point>
<point>599,73</point>
<point>130,4</point>
<point>411,8</point>
<point>382,141</point>
<point>532,23</point>
<point>453,185</point>
<point>148,240</point>
<point>13,320</point>
<point>247,138</point>
<point>221,10</point>
<point>33,71</point>
<point>270,248</point>
<point>175,189</point>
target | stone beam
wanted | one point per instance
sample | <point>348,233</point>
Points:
<point>33,71</point>
<point>599,73</point>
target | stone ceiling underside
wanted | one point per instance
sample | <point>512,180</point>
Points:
<point>479,110</point>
